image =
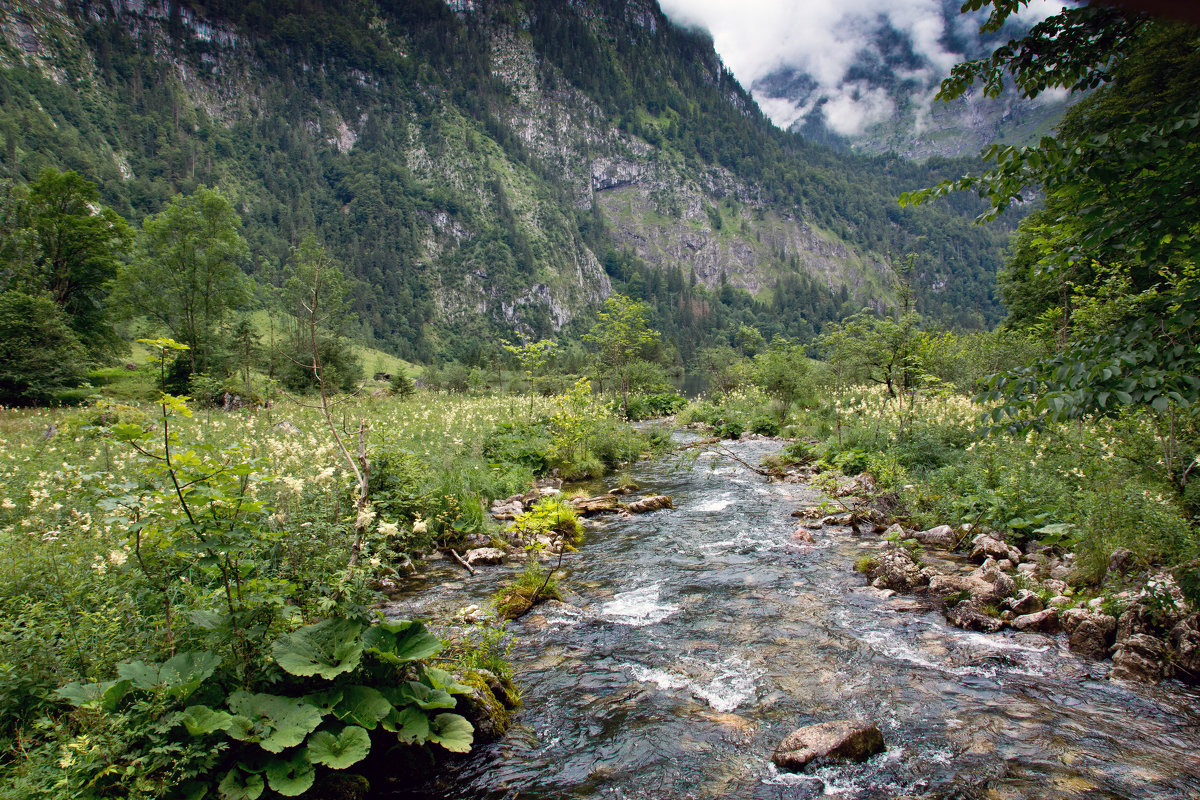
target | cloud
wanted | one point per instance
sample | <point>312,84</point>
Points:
<point>825,39</point>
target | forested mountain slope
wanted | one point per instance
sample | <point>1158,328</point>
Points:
<point>481,167</point>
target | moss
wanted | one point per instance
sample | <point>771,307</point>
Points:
<point>490,716</point>
<point>865,564</point>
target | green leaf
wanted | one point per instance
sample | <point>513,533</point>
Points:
<point>401,641</point>
<point>419,694</point>
<point>327,649</point>
<point>202,720</point>
<point>339,751</point>
<point>179,676</point>
<point>240,785</point>
<point>452,732</point>
<point>291,776</point>
<point>272,721</point>
<point>410,724</point>
<point>362,705</point>
<point>104,696</point>
<point>441,679</point>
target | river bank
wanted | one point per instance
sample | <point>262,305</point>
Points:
<point>692,641</point>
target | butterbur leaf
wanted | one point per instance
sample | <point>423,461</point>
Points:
<point>179,676</point>
<point>440,679</point>
<point>202,720</point>
<point>410,724</point>
<point>419,694</point>
<point>241,785</point>
<point>191,790</point>
<point>327,649</point>
<point>104,696</point>
<point>272,721</point>
<point>291,776</point>
<point>452,732</point>
<point>362,705</point>
<point>341,750</point>
<point>401,641</point>
<point>324,700</point>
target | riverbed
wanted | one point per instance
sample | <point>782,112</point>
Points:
<point>693,640</point>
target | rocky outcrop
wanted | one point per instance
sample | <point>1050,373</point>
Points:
<point>841,740</point>
<point>591,506</point>
<point>941,537</point>
<point>1091,632</point>
<point>969,616</point>
<point>1044,621</point>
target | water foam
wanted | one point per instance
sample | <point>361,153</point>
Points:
<point>638,607</point>
<point>735,683</point>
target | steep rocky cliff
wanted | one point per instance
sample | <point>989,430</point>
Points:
<point>476,165</point>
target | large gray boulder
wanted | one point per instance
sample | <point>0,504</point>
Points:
<point>898,569</point>
<point>485,555</point>
<point>1044,621</point>
<point>1139,658</point>
<point>841,740</point>
<point>1091,632</point>
<point>942,537</point>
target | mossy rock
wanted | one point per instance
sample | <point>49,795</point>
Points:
<point>484,707</point>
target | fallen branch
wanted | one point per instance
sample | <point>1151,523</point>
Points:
<point>460,560</point>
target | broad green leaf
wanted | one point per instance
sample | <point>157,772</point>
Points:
<point>202,720</point>
<point>362,705</point>
<point>104,696</point>
<point>327,649</point>
<point>179,676</point>
<point>419,694</point>
<point>272,721</point>
<point>291,776</point>
<point>240,785</point>
<point>452,732</point>
<point>324,700</point>
<point>401,641</point>
<point>410,724</point>
<point>191,790</point>
<point>441,679</point>
<point>341,750</point>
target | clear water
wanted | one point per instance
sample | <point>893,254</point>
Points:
<point>696,639</point>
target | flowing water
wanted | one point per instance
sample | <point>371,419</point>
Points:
<point>695,639</point>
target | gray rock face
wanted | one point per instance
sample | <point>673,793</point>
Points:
<point>1185,640</point>
<point>941,537</point>
<point>648,504</point>
<point>1024,602</point>
<point>841,740</point>
<point>966,615</point>
<point>896,568</point>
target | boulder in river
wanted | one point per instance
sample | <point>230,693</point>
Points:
<point>942,537</point>
<point>647,504</point>
<point>968,616</point>
<point>897,568</point>
<point>1024,602</point>
<point>623,489</point>
<point>985,546</point>
<point>485,555</point>
<point>1044,621</point>
<point>589,506</point>
<point>840,740</point>
<point>1139,658</point>
<point>1091,632</point>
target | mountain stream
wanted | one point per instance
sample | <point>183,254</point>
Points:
<point>693,640</point>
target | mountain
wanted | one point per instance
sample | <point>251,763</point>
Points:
<point>480,167</point>
<point>884,100</point>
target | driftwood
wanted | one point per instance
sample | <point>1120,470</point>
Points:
<point>461,560</point>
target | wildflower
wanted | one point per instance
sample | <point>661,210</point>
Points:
<point>7,504</point>
<point>364,517</point>
<point>420,526</point>
<point>117,557</point>
<point>388,528</point>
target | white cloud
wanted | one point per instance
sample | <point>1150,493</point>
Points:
<point>824,38</point>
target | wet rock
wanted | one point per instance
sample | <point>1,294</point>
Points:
<point>1045,621</point>
<point>974,586</point>
<point>624,489</point>
<point>485,555</point>
<point>587,506</point>
<point>986,546</point>
<point>1028,569</point>
<point>802,536</point>
<point>1139,658</point>
<point>941,537</point>
<point>648,504</point>
<point>895,530</point>
<point>1024,602</point>
<point>1185,641</point>
<point>1091,633</point>
<point>1054,585</point>
<point>968,616</point>
<point>897,568</point>
<point>1120,561</point>
<point>841,740</point>
<point>1002,584</point>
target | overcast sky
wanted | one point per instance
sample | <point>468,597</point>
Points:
<point>822,38</point>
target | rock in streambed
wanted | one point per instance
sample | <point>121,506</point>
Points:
<point>840,740</point>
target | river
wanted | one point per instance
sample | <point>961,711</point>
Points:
<point>695,639</point>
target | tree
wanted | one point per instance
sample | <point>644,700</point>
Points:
<point>58,240</point>
<point>532,357</point>
<point>316,291</point>
<point>622,335</point>
<point>1119,238</point>
<point>782,370</point>
<point>39,353</point>
<point>187,275</point>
